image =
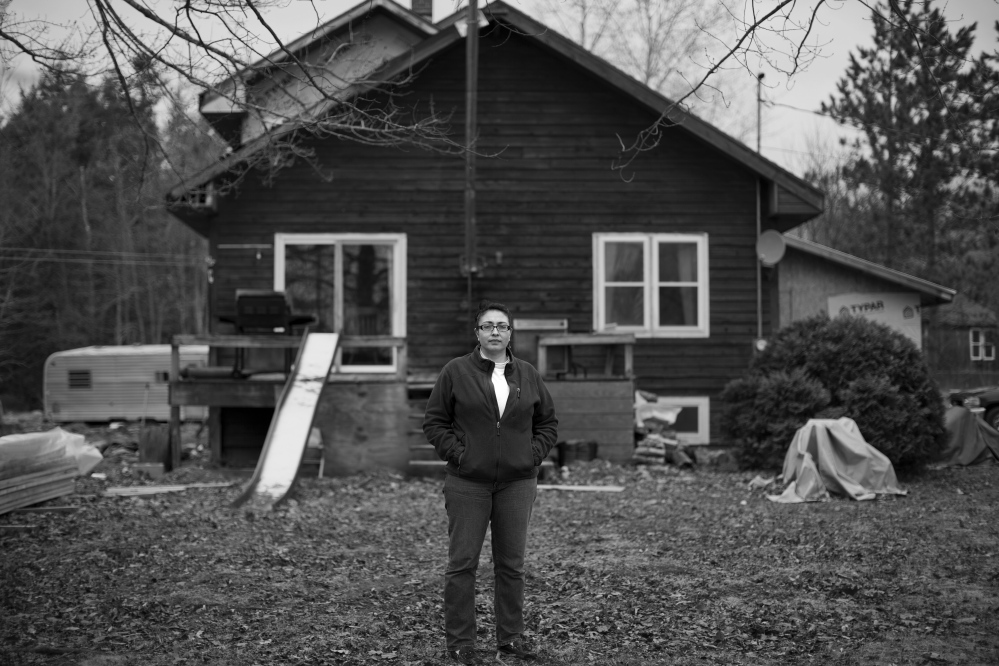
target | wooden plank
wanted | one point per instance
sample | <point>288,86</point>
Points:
<point>47,509</point>
<point>244,341</point>
<point>36,493</point>
<point>138,491</point>
<point>570,390</point>
<point>237,393</point>
<point>58,467</point>
<point>584,489</point>
<point>604,406</point>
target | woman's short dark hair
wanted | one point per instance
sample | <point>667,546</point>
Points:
<point>491,305</point>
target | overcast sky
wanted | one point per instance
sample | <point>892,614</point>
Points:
<point>789,136</point>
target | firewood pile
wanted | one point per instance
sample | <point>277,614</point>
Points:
<point>656,441</point>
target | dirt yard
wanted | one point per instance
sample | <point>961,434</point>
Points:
<point>682,567</point>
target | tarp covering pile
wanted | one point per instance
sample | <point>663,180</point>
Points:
<point>39,466</point>
<point>970,440</point>
<point>832,456</point>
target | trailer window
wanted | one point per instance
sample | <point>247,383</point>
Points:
<point>80,379</point>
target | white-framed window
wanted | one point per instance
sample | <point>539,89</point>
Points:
<point>353,284</point>
<point>693,423</point>
<point>981,348</point>
<point>652,285</point>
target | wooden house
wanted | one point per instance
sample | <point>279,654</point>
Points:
<point>647,279</point>
<point>961,342</point>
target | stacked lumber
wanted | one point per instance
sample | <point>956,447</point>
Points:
<point>656,440</point>
<point>660,449</point>
<point>55,478</point>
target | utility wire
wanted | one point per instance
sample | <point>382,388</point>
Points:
<point>114,262</point>
<point>161,255</point>
<point>860,125</point>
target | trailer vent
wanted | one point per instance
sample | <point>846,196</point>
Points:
<point>80,379</point>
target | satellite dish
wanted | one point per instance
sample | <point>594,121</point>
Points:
<point>770,247</point>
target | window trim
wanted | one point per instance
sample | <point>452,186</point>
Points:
<point>651,285</point>
<point>397,305</point>
<point>986,351</point>
<point>703,404</point>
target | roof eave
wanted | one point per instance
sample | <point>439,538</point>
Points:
<point>930,293</point>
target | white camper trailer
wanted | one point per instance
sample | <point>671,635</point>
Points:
<point>116,383</point>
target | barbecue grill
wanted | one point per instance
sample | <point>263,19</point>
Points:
<point>260,312</point>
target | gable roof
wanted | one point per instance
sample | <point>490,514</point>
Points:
<point>805,200</point>
<point>930,293</point>
<point>303,44</point>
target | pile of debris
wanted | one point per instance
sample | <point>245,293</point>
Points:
<point>39,466</point>
<point>656,441</point>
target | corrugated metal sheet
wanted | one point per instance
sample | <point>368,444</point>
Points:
<point>126,383</point>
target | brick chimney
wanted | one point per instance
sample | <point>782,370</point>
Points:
<point>424,8</point>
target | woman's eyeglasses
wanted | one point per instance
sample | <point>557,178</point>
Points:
<point>488,328</point>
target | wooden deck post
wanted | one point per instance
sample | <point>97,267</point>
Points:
<point>174,444</point>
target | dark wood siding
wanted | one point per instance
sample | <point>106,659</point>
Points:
<point>545,186</point>
<point>948,353</point>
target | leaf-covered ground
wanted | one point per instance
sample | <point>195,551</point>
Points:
<point>682,567</point>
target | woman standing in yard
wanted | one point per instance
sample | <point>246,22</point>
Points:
<point>491,418</point>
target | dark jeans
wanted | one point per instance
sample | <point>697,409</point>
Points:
<point>471,507</point>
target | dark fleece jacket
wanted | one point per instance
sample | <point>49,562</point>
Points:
<point>463,424</point>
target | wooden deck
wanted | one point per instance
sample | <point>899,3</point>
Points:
<point>356,408</point>
<point>372,420</point>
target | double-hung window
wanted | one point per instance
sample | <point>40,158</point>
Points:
<point>654,285</point>
<point>981,348</point>
<point>353,284</point>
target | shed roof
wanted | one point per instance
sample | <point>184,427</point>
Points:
<point>930,293</point>
<point>963,312</point>
<point>446,33</point>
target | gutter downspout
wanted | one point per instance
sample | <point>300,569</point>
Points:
<point>759,270</point>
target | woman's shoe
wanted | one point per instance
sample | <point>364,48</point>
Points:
<point>518,648</point>
<point>465,655</point>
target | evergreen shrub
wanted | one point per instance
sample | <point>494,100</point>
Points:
<point>822,368</point>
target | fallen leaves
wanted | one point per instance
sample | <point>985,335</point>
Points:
<point>673,569</point>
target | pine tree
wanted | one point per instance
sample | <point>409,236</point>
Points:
<point>926,109</point>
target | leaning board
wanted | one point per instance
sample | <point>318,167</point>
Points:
<point>292,422</point>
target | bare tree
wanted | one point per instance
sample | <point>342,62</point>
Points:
<point>777,35</point>
<point>230,49</point>
<point>216,45</point>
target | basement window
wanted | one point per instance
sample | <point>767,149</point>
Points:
<point>693,423</point>
<point>80,379</point>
